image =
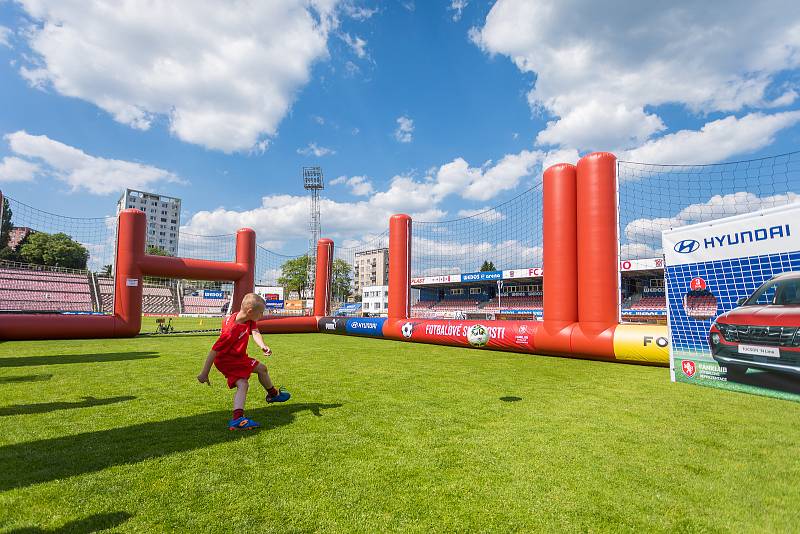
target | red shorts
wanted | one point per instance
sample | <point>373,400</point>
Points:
<point>235,366</point>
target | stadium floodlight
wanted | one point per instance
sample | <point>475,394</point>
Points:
<point>313,181</point>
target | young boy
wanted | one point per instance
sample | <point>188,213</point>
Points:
<point>229,354</point>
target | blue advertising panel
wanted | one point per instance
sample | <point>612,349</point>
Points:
<point>733,300</point>
<point>366,326</point>
<point>213,294</point>
<point>274,304</point>
<point>482,276</point>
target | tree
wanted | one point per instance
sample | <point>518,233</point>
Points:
<point>58,250</point>
<point>487,266</point>
<point>340,285</point>
<point>106,270</point>
<point>155,250</point>
<point>294,275</point>
<point>5,224</point>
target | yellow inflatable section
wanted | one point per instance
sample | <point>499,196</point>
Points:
<point>642,343</point>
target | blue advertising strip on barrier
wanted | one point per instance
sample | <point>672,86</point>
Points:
<point>481,276</point>
<point>210,294</point>
<point>366,326</point>
<point>275,304</point>
<point>644,312</point>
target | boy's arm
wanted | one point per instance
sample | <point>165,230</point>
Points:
<point>260,342</point>
<point>203,376</point>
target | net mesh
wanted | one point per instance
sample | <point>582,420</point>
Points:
<point>653,198</point>
<point>360,264</point>
<point>507,236</point>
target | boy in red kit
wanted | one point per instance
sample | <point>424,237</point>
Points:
<point>229,355</point>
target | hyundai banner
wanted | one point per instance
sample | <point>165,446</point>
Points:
<point>733,302</point>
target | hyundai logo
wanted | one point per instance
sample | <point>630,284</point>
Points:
<point>687,246</point>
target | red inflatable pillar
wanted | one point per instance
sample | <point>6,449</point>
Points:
<point>560,244</point>
<point>399,266</point>
<point>322,281</point>
<point>598,255</point>
<point>131,235</point>
<point>245,258</point>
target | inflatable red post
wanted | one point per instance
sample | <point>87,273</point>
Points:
<point>598,256</point>
<point>322,280</point>
<point>246,260</point>
<point>399,266</point>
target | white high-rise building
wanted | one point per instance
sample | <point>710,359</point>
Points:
<point>163,217</point>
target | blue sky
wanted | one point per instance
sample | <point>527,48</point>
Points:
<point>222,109</point>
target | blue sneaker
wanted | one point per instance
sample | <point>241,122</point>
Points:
<point>242,423</point>
<point>282,396</point>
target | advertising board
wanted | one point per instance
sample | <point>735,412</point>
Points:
<point>733,300</point>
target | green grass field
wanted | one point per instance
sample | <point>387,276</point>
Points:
<point>382,436</point>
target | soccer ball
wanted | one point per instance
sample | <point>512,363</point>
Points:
<point>407,329</point>
<point>478,335</point>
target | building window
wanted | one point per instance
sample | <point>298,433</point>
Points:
<point>475,291</point>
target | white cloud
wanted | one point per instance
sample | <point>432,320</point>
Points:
<point>644,235</point>
<point>356,44</point>
<point>561,155</point>
<point>99,176</point>
<point>716,141</point>
<point>314,150</point>
<point>14,169</point>
<point>599,78</point>
<point>5,36</point>
<point>223,78</point>
<point>351,69</point>
<point>359,185</point>
<point>458,6</point>
<point>409,5</point>
<point>285,217</point>
<point>319,119</point>
<point>405,129</point>
<point>485,214</point>
<point>358,13</point>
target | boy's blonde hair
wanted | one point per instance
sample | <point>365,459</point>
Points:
<point>251,300</point>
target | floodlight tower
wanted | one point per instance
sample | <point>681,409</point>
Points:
<point>313,182</point>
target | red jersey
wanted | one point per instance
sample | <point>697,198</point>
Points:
<point>234,337</point>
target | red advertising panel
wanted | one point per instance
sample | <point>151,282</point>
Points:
<point>498,335</point>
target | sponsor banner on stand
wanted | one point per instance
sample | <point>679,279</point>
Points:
<point>633,313</point>
<point>482,276</point>
<point>641,265</point>
<point>530,272</point>
<point>213,294</point>
<point>442,279</point>
<point>733,300</point>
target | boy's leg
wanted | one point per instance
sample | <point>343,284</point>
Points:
<point>242,386</point>
<point>273,395</point>
<point>264,378</point>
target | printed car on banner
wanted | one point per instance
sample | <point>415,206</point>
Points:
<point>733,299</point>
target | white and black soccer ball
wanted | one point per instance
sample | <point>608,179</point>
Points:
<point>478,335</point>
<point>407,329</point>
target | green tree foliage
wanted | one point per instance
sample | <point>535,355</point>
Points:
<point>294,275</point>
<point>5,224</point>
<point>340,285</point>
<point>155,250</point>
<point>106,271</point>
<point>487,266</point>
<point>58,250</point>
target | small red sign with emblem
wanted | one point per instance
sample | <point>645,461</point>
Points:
<point>689,368</point>
<point>698,284</point>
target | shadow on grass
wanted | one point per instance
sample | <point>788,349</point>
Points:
<point>44,407</point>
<point>510,399</point>
<point>23,464</point>
<point>765,379</point>
<point>24,378</point>
<point>93,523</point>
<point>31,361</point>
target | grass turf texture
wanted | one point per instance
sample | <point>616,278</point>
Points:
<point>378,436</point>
